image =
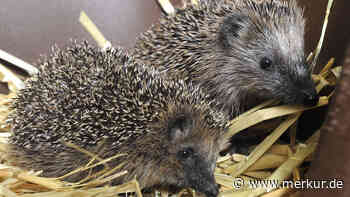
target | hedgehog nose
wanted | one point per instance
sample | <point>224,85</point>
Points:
<point>212,190</point>
<point>310,98</point>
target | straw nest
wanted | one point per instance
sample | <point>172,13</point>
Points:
<point>269,161</point>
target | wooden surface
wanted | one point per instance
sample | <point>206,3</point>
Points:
<point>29,28</point>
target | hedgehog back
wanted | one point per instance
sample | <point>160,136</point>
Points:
<point>83,95</point>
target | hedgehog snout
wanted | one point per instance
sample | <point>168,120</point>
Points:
<point>310,97</point>
<point>207,186</point>
<point>212,190</point>
<point>201,178</point>
<point>299,88</point>
<point>307,91</point>
<point>305,97</point>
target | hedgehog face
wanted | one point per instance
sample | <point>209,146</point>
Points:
<point>266,49</point>
<point>193,151</point>
<point>198,170</point>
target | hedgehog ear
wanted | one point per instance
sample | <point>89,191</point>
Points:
<point>230,29</point>
<point>180,128</point>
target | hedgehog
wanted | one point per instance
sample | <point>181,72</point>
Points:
<point>168,132</point>
<point>240,52</point>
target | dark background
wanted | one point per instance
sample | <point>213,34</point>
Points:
<point>29,28</point>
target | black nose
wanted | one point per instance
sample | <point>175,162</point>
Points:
<point>311,99</point>
<point>212,190</point>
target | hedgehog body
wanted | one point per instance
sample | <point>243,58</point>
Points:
<point>107,104</point>
<point>241,52</point>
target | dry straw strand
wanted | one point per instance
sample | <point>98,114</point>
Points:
<point>282,172</point>
<point>323,32</point>
<point>236,170</point>
<point>267,114</point>
<point>167,7</point>
<point>18,62</point>
<point>94,31</point>
<point>9,76</point>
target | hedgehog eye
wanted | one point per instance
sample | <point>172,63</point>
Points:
<point>265,63</point>
<point>185,153</point>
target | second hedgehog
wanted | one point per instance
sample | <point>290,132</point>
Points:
<point>107,104</point>
<point>240,51</point>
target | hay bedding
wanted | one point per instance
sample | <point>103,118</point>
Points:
<point>268,161</point>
